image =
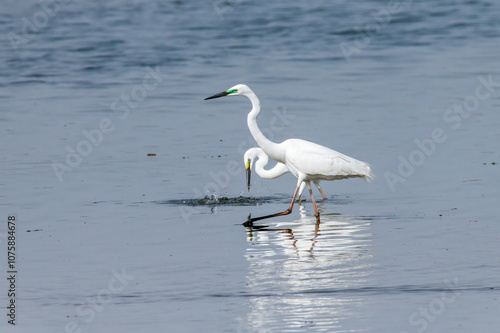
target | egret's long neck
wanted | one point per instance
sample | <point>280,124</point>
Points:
<point>269,147</point>
<point>278,170</point>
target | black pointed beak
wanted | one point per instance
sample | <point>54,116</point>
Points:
<point>222,94</point>
<point>249,174</point>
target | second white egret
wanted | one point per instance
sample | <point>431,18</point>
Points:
<point>279,169</point>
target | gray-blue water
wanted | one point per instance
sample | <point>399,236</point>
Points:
<point>111,239</point>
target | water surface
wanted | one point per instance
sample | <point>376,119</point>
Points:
<point>122,241</point>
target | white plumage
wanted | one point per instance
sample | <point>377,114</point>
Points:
<point>306,160</point>
<point>277,171</point>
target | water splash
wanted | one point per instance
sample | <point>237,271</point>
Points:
<point>215,200</point>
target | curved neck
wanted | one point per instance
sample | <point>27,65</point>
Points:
<point>278,170</point>
<point>269,147</point>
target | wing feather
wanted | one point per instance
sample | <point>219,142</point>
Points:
<point>319,162</point>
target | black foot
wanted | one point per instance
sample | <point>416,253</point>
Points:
<point>248,224</point>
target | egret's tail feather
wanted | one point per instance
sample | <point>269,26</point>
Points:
<point>369,176</point>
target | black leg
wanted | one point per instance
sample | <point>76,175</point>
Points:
<point>286,212</point>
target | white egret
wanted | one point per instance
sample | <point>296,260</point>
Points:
<point>279,169</point>
<point>306,160</point>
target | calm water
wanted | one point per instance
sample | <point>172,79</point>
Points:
<point>111,239</point>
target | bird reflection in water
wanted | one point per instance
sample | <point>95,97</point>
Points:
<point>287,232</point>
<point>306,272</point>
